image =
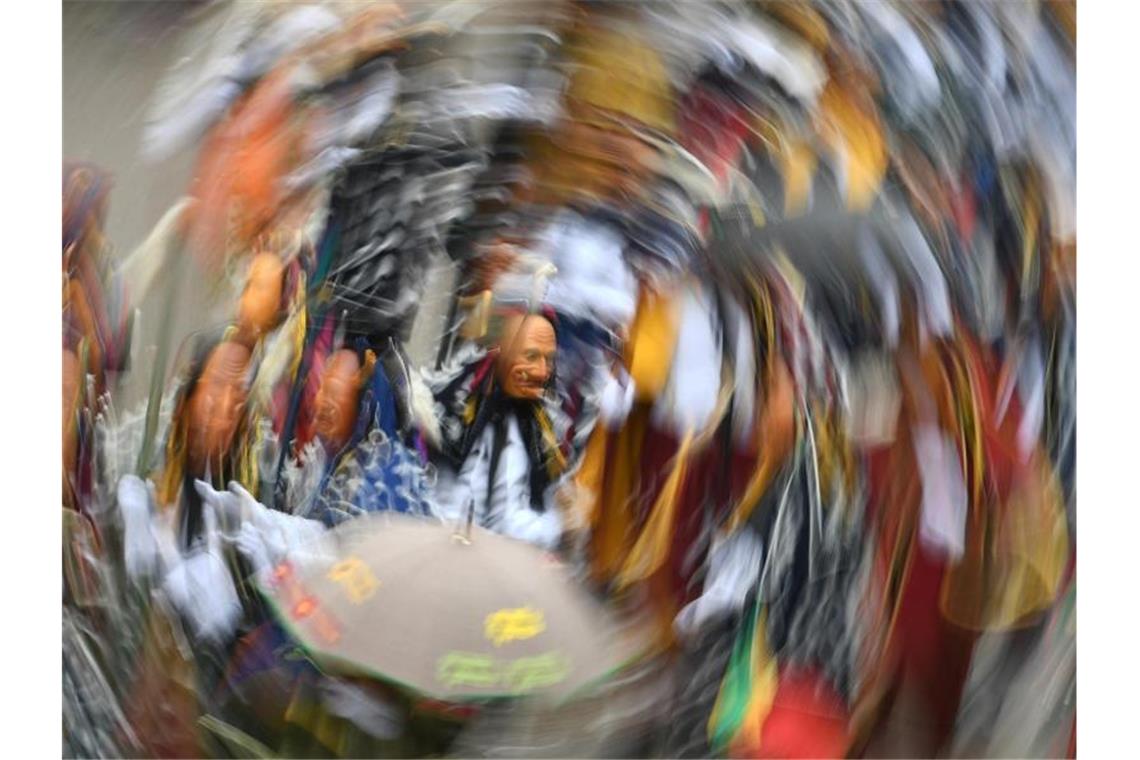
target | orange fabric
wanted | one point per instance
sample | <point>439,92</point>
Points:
<point>242,165</point>
<point>775,436</point>
<point>72,395</point>
<point>84,316</point>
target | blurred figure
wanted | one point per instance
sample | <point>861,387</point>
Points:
<point>501,457</point>
<point>96,320</point>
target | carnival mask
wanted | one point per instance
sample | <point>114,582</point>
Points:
<point>526,359</point>
<point>337,398</point>
<point>260,305</point>
<point>217,402</point>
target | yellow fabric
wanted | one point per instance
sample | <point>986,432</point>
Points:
<point>652,343</point>
<point>971,449</point>
<point>765,317</point>
<point>309,714</point>
<point>621,74</point>
<point>556,462</point>
<point>1015,560</point>
<point>797,163</point>
<point>827,449</point>
<point>854,133</point>
<point>248,468</point>
<point>476,323</point>
<point>1016,552</point>
<point>300,327</point>
<point>281,358</point>
<point>794,279</point>
<point>614,523</point>
<point>590,479</point>
<point>653,544</point>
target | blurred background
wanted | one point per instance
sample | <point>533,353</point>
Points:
<point>572,378</point>
<point>115,52</point>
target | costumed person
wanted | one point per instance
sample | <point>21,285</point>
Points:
<point>96,320</point>
<point>214,431</point>
<point>501,458</point>
<point>361,453</point>
<point>173,541</point>
<point>96,337</point>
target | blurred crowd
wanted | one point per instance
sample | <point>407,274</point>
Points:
<point>763,334</point>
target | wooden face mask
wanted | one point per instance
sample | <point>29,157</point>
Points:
<point>337,398</point>
<point>261,299</point>
<point>526,361</point>
<point>217,403</point>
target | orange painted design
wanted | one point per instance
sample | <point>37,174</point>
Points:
<point>304,607</point>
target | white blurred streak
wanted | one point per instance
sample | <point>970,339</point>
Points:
<point>930,280</point>
<point>691,392</point>
<point>141,267</point>
<point>141,551</point>
<point>733,566</point>
<point>1020,695</point>
<point>787,60</point>
<point>616,399</point>
<point>883,281</point>
<point>943,512</point>
<point>203,83</point>
<point>915,82</point>
<point>377,717</point>
<point>1031,381</point>
<point>201,588</point>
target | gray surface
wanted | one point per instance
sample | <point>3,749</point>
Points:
<point>113,55</point>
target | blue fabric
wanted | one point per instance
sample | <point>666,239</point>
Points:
<point>390,476</point>
<point>267,647</point>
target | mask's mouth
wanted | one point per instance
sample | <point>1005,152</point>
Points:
<point>529,385</point>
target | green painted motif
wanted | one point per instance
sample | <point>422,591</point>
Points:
<point>467,669</point>
<point>456,669</point>
<point>527,673</point>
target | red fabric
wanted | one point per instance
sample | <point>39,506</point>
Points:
<point>808,720</point>
<point>704,481</point>
<point>1004,463</point>
<point>935,654</point>
<point>964,210</point>
<point>306,415</point>
<point>932,656</point>
<point>713,128</point>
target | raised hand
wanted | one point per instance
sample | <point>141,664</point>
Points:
<point>141,552</point>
